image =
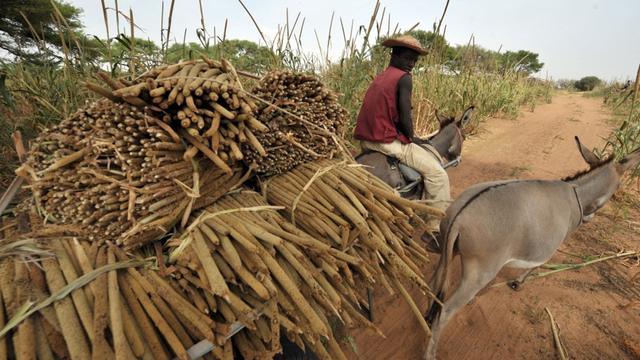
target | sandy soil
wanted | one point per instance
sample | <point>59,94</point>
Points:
<point>597,307</point>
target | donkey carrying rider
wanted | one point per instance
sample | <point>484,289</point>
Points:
<point>384,123</point>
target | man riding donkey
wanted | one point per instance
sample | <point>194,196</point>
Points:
<point>384,123</point>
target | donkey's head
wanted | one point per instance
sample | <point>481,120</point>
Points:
<point>448,141</point>
<point>600,182</point>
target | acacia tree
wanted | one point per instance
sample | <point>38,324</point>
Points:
<point>244,54</point>
<point>521,61</point>
<point>587,83</point>
<point>27,26</point>
<point>435,43</point>
<point>474,57</point>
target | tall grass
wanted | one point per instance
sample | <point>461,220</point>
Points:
<point>43,95</point>
<point>492,94</point>
<point>435,86</point>
<point>626,104</point>
<point>37,96</point>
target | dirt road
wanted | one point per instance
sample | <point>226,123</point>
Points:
<point>597,307</point>
<point>537,145</point>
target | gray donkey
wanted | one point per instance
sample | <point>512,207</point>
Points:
<point>516,223</point>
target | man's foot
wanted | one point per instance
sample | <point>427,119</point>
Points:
<point>432,242</point>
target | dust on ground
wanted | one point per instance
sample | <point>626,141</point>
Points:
<point>597,307</point>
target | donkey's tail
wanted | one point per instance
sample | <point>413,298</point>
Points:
<point>440,282</point>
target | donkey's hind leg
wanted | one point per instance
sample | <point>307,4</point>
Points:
<point>475,276</point>
<point>516,284</point>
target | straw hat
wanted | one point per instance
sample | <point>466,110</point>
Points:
<point>407,41</point>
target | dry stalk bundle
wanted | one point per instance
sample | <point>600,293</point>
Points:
<point>352,210</point>
<point>291,141</point>
<point>120,174</point>
<point>202,100</point>
<point>95,302</point>
<point>242,255</point>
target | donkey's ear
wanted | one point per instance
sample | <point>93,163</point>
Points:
<point>629,162</point>
<point>587,154</point>
<point>466,117</point>
<point>441,119</point>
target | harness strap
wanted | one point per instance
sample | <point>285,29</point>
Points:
<point>579,204</point>
<point>432,150</point>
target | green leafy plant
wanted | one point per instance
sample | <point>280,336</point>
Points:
<point>587,83</point>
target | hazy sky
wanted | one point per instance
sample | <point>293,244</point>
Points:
<point>574,38</point>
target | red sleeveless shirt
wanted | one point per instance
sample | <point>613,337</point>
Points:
<point>378,117</point>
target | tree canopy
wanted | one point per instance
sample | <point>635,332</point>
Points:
<point>521,61</point>
<point>29,27</point>
<point>473,56</point>
<point>26,25</point>
<point>244,54</point>
<point>429,39</point>
<point>587,83</point>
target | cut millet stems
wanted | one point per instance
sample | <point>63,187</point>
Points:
<point>101,308</point>
<point>156,317</point>
<point>71,327</point>
<point>120,344</point>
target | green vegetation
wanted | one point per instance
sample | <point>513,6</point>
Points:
<point>40,85</point>
<point>565,84</point>
<point>460,57</point>
<point>623,99</point>
<point>30,27</point>
<point>245,55</point>
<point>587,83</point>
<point>448,79</point>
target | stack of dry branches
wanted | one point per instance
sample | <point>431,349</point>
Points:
<point>123,175</point>
<point>241,253</point>
<point>91,302</point>
<point>203,99</point>
<point>122,172</point>
<point>354,211</point>
<point>303,117</point>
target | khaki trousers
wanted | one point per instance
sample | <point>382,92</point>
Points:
<point>427,163</point>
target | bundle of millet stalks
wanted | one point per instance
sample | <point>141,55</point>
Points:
<point>202,99</point>
<point>122,172</point>
<point>353,211</point>
<point>304,118</point>
<point>123,175</point>
<point>90,301</point>
<point>243,254</point>
<point>239,269</point>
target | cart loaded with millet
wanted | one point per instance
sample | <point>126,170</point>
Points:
<point>190,212</point>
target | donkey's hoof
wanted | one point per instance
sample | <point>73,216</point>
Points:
<point>515,285</point>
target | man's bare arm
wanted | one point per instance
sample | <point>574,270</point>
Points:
<point>405,86</point>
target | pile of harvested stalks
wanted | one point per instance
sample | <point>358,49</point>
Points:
<point>238,262</point>
<point>114,310</point>
<point>203,99</point>
<point>240,254</point>
<point>123,175</point>
<point>119,174</point>
<point>303,119</point>
<point>354,211</point>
